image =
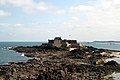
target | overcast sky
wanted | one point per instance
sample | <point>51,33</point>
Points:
<point>38,20</point>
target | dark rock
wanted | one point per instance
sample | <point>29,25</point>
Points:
<point>52,63</point>
<point>2,73</point>
<point>111,63</point>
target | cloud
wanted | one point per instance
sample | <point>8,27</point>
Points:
<point>30,6</point>
<point>59,12</point>
<point>81,8</point>
<point>22,32</point>
<point>42,6</point>
<point>18,25</point>
<point>4,14</point>
<point>17,3</point>
<point>95,21</point>
<point>27,5</point>
<point>98,21</point>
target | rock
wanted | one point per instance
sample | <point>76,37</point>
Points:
<point>111,63</point>
<point>100,62</point>
<point>14,70</point>
<point>52,63</point>
<point>2,73</point>
<point>11,78</point>
<point>62,73</point>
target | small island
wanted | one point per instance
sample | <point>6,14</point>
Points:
<point>61,60</point>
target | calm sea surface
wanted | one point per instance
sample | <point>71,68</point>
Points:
<point>104,45</point>
<point>12,56</point>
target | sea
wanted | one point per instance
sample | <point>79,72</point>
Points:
<point>7,56</point>
<point>104,45</point>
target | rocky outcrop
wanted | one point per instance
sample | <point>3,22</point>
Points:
<point>76,72</point>
<point>58,64</point>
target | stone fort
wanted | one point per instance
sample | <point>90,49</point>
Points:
<point>67,44</point>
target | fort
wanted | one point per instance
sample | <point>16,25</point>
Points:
<point>66,44</point>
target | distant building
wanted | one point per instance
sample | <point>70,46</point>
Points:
<point>68,44</point>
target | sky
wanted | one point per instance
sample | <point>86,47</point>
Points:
<point>39,20</point>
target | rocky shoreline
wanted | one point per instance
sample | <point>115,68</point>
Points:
<point>52,63</point>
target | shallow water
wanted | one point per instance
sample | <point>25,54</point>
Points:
<point>7,55</point>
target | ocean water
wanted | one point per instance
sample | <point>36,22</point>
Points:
<point>104,45</point>
<point>7,56</point>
